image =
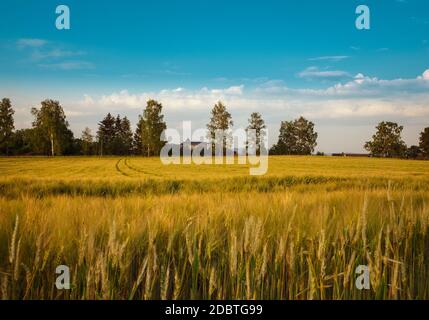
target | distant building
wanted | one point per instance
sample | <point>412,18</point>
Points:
<point>356,155</point>
<point>190,146</point>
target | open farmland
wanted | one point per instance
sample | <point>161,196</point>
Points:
<point>132,228</point>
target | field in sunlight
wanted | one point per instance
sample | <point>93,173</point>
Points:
<point>132,228</point>
<point>151,168</point>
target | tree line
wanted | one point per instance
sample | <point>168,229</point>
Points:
<point>387,143</point>
<point>50,134</point>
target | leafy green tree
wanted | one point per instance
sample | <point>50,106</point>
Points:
<point>147,138</point>
<point>258,124</point>
<point>413,152</point>
<point>51,129</point>
<point>424,142</point>
<point>87,141</point>
<point>23,142</point>
<point>106,135</point>
<point>77,147</point>
<point>296,137</point>
<point>387,141</point>
<point>220,122</point>
<point>6,125</point>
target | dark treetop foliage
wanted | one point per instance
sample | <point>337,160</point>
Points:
<point>220,122</point>
<point>387,141</point>
<point>6,125</point>
<point>51,133</point>
<point>413,152</point>
<point>124,136</point>
<point>114,136</point>
<point>106,135</point>
<point>258,124</point>
<point>149,128</point>
<point>87,142</point>
<point>296,138</point>
<point>424,142</point>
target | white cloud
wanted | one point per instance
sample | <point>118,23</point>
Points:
<point>361,97</point>
<point>316,73</point>
<point>329,58</point>
<point>55,53</point>
<point>234,90</point>
<point>366,108</point>
<point>177,99</point>
<point>123,98</point>
<point>67,65</point>
<point>425,75</point>
<point>363,85</point>
<point>34,43</point>
<point>87,100</point>
<point>51,55</point>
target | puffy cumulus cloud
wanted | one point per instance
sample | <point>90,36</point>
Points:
<point>425,75</point>
<point>364,97</point>
<point>359,87</point>
<point>361,97</point>
<point>178,98</point>
<point>234,90</point>
<point>366,108</point>
<point>371,86</point>
<point>123,98</point>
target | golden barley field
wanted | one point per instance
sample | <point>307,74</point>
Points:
<point>132,228</point>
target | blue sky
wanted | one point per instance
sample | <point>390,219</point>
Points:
<point>281,58</point>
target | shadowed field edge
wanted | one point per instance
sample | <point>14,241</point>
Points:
<point>15,187</point>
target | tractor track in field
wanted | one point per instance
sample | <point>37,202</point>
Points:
<point>129,166</point>
<point>133,169</point>
<point>120,170</point>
